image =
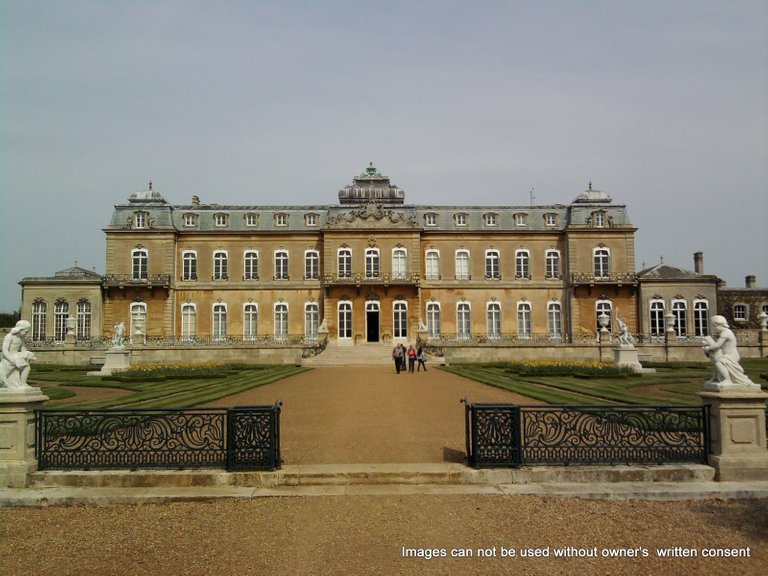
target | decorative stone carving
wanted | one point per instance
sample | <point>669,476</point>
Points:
<point>14,365</point>
<point>722,351</point>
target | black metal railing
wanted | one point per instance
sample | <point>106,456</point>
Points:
<point>508,435</point>
<point>242,438</point>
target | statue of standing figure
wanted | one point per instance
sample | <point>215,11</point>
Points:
<point>724,354</point>
<point>14,365</point>
<point>119,338</point>
<point>625,338</point>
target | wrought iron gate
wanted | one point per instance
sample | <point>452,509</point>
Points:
<point>509,435</point>
<point>241,438</point>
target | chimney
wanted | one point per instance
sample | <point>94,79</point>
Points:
<point>698,262</point>
<point>751,281</point>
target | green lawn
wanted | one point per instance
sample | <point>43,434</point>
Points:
<point>670,384</point>
<point>154,393</point>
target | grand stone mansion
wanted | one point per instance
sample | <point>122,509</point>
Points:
<point>371,268</point>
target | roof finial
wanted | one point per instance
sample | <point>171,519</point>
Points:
<point>661,258</point>
<point>150,184</point>
<point>590,185</point>
<point>75,262</point>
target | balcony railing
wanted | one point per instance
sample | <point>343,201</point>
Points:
<point>610,278</point>
<point>163,280</point>
<point>331,279</point>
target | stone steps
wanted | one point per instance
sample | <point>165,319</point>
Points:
<point>366,354</point>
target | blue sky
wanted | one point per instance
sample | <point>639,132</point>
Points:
<point>664,105</point>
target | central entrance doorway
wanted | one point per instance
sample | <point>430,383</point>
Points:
<point>372,310</point>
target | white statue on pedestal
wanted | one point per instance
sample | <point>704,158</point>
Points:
<point>14,365</point>
<point>118,338</point>
<point>625,338</point>
<point>723,352</point>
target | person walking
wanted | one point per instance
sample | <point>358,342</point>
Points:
<point>421,359</point>
<point>411,358</point>
<point>397,356</point>
<point>403,357</point>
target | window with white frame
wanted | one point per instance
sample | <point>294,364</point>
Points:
<point>554,320</point>
<point>250,321</point>
<point>220,265</point>
<point>84,320</point>
<point>310,219</point>
<point>740,312</point>
<point>251,220</point>
<point>345,262</point>
<point>460,219</point>
<point>60,318</point>
<point>491,219</point>
<point>552,258</point>
<point>399,263</point>
<point>345,320</point>
<point>604,307</point>
<point>251,265</point>
<point>281,220</point>
<point>522,264</point>
<point>219,321</point>
<point>372,263</point>
<point>462,265</point>
<point>700,318</point>
<point>524,320</point>
<point>493,320</point>
<point>430,219</point>
<point>281,265</point>
<point>432,265</point>
<point>602,258</point>
<point>492,264</point>
<point>521,219</point>
<point>281,321</point>
<point>400,319</point>
<point>188,321</point>
<point>138,320</point>
<point>139,263</point>
<point>140,220</point>
<point>598,219</point>
<point>680,312</point>
<point>463,321</point>
<point>220,220</point>
<point>656,309</point>
<point>311,320</point>
<point>190,220</point>
<point>311,264</point>
<point>433,319</point>
<point>39,317</point>
<point>550,219</point>
<point>189,265</point>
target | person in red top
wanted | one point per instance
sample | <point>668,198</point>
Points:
<point>411,358</point>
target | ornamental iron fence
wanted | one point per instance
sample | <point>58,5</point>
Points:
<point>509,435</point>
<point>241,438</point>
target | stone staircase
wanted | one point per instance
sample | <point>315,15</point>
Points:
<point>361,354</point>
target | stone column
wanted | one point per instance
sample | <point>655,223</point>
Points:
<point>17,436</point>
<point>737,427</point>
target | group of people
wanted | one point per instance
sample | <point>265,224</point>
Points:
<point>411,355</point>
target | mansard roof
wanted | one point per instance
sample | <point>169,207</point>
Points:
<point>665,272</point>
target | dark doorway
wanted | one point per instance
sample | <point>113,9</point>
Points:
<point>372,322</point>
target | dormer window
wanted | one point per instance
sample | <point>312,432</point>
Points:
<point>491,219</point>
<point>190,220</point>
<point>140,220</point>
<point>281,220</point>
<point>598,219</point>
<point>430,219</point>
<point>521,220</point>
<point>220,220</point>
<point>251,220</point>
<point>461,219</point>
<point>310,219</point>
<point>550,219</point>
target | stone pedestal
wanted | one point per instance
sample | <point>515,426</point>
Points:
<point>737,427</point>
<point>627,356</point>
<point>17,436</point>
<point>114,359</point>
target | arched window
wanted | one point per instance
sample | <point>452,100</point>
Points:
<point>60,317</point>
<point>345,263</point>
<point>432,266</point>
<point>311,320</point>
<point>604,307</point>
<point>680,312</point>
<point>138,320</point>
<point>657,317</point>
<point>139,263</point>
<point>602,259</point>
<point>492,269</point>
<point>493,316</point>
<point>281,321</point>
<point>84,320</point>
<point>433,320</point>
<point>462,265</point>
<point>311,264</point>
<point>523,320</point>
<point>220,265</point>
<point>700,318</point>
<point>345,320</point>
<point>554,320</point>
<point>250,321</point>
<point>553,263</point>
<point>463,321</point>
<point>189,265</point>
<point>39,315</point>
<point>281,265</point>
<point>522,264</point>
<point>188,321</point>
<point>400,319</point>
<point>251,265</point>
<point>219,321</point>
<point>399,263</point>
<point>372,263</point>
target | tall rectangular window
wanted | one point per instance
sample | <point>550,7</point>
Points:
<point>220,265</point>
<point>463,321</point>
<point>657,317</point>
<point>139,262</point>
<point>399,266</point>
<point>251,265</point>
<point>311,265</point>
<point>311,320</point>
<point>493,313</point>
<point>700,318</point>
<point>492,269</point>
<point>84,320</point>
<point>400,320</point>
<point>345,263</point>
<point>281,321</point>
<point>39,313</point>
<point>522,264</point>
<point>372,263</point>
<point>433,320</point>
<point>219,321</point>
<point>250,321</point>
<point>602,263</point>
<point>524,320</point>
<point>554,320</point>
<point>188,321</point>
<point>462,265</point>
<point>281,265</point>
<point>432,267</point>
<point>680,312</point>
<point>345,320</point>
<point>60,318</point>
<point>553,264</point>
<point>189,265</point>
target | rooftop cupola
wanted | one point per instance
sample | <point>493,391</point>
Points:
<point>371,187</point>
<point>591,196</point>
<point>147,196</point>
